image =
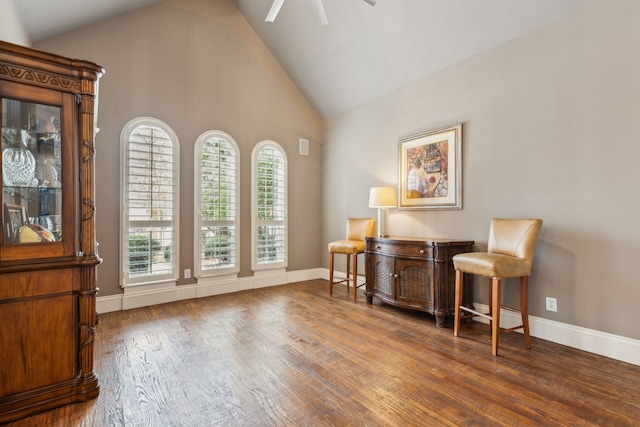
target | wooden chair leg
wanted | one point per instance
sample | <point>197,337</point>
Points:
<point>490,301</point>
<point>458,303</point>
<point>524,308</point>
<point>495,314</point>
<point>348,271</point>
<point>355,277</point>
<point>331,274</point>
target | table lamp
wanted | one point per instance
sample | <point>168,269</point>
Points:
<point>383,198</point>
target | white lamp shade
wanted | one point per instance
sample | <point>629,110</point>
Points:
<point>383,197</point>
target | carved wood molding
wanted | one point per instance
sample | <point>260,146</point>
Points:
<point>40,78</point>
<point>90,210</point>
<point>87,334</point>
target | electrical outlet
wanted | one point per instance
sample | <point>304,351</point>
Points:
<point>552,304</point>
<point>187,273</point>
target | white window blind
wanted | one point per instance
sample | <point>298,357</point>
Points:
<point>270,201</point>
<point>150,204</point>
<point>217,183</point>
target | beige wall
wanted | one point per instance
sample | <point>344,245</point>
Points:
<point>550,131</point>
<point>11,29</point>
<point>197,65</point>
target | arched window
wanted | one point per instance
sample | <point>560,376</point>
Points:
<point>149,197</point>
<point>216,222</point>
<point>269,207</point>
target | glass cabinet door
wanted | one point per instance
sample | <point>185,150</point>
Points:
<point>31,173</point>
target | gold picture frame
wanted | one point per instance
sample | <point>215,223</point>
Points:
<point>430,169</point>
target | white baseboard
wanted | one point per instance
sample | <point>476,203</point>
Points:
<point>592,341</point>
<point>109,303</point>
<point>150,294</point>
<point>146,295</point>
<point>217,286</point>
<point>602,343</point>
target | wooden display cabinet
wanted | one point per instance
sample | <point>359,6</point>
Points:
<point>48,255</point>
<point>415,273</point>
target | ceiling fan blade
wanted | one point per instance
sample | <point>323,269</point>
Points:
<point>318,8</point>
<point>371,2</point>
<point>273,12</point>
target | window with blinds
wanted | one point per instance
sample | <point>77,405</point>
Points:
<point>269,207</point>
<point>216,223</point>
<point>150,202</point>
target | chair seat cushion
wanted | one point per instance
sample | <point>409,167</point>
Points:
<point>347,247</point>
<point>492,265</point>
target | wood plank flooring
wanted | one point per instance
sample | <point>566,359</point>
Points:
<point>293,356</point>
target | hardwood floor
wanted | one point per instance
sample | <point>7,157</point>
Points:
<point>292,356</point>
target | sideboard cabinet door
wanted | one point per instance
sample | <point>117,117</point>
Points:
<point>414,283</point>
<point>382,268</point>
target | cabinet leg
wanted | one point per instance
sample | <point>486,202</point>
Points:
<point>441,321</point>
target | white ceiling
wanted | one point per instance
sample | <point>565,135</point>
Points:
<point>362,53</point>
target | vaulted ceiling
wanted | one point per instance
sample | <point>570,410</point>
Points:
<point>363,52</point>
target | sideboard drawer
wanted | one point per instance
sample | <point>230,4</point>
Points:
<point>402,250</point>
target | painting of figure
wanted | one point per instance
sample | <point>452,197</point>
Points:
<point>428,178</point>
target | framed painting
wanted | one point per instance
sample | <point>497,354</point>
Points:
<point>430,169</point>
<point>15,216</point>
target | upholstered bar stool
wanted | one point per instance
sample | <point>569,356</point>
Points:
<point>512,243</point>
<point>353,245</point>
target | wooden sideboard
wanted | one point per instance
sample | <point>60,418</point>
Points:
<point>415,273</point>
